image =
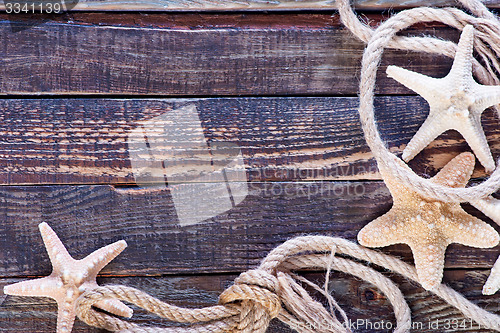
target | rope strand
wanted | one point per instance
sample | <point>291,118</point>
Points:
<point>259,295</point>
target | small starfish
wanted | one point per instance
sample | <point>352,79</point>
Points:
<point>490,207</point>
<point>70,278</point>
<point>493,283</point>
<point>456,102</point>
<point>429,226</point>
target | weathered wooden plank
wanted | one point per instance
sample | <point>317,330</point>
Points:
<point>35,314</point>
<point>88,217</point>
<point>172,55</point>
<point>360,300</point>
<point>195,5</point>
<point>70,141</point>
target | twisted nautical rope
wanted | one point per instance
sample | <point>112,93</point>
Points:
<point>273,290</point>
<point>487,42</point>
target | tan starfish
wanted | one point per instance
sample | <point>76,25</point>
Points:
<point>456,102</point>
<point>427,226</point>
<point>69,279</point>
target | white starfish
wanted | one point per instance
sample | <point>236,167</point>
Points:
<point>456,102</point>
<point>493,283</point>
<point>490,207</point>
<point>70,278</point>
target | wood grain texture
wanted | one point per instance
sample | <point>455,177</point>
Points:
<point>196,5</point>
<point>361,301</point>
<point>84,141</point>
<point>89,217</point>
<point>114,54</point>
<point>61,138</point>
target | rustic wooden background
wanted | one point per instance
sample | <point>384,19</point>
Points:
<point>279,82</point>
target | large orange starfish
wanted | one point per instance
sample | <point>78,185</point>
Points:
<point>69,279</point>
<point>429,226</point>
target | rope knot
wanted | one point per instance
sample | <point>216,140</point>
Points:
<point>256,290</point>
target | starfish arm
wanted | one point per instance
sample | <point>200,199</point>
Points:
<point>430,129</point>
<point>110,305</point>
<point>485,97</point>
<point>397,189</point>
<point>471,231</point>
<point>457,172</point>
<point>461,70</point>
<point>429,262</point>
<point>100,258</point>
<point>58,254</point>
<point>69,279</point>
<point>423,85</point>
<point>379,232</point>
<point>115,307</point>
<point>65,317</point>
<point>473,133</point>
<point>493,283</point>
<point>490,207</point>
<point>43,287</point>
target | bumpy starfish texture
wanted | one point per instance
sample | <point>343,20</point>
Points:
<point>70,278</point>
<point>429,226</point>
<point>456,102</point>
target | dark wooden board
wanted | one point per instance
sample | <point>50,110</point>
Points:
<point>361,301</point>
<point>128,54</point>
<point>62,138</point>
<point>88,217</point>
<point>84,141</point>
<point>196,5</point>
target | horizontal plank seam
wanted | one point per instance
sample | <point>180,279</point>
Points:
<point>126,186</point>
<point>220,273</point>
<point>153,96</point>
